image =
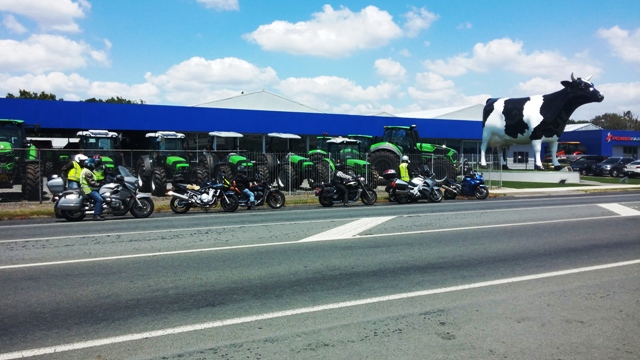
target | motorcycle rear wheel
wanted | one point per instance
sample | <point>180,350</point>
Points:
<point>369,197</point>
<point>230,204</point>
<point>144,209</point>
<point>402,198</point>
<point>275,199</point>
<point>436,195</point>
<point>481,193</point>
<point>71,215</point>
<point>326,201</point>
<point>179,206</point>
<point>449,195</point>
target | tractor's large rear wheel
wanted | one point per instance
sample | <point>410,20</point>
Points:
<point>384,160</point>
<point>443,169</point>
<point>31,182</point>
<point>159,181</point>
<point>287,178</point>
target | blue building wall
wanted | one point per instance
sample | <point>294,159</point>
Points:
<point>73,116</point>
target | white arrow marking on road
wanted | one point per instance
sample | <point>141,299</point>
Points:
<point>620,209</point>
<point>349,230</point>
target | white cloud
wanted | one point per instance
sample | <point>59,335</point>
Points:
<point>108,89</point>
<point>332,87</point>
<point>220,5</point>
<point>506,54</point>
<point>54,82</point>
<point>42,53</point>
<point>57,15</point>
<point>464,26</point>
<point>330,33</point>
<point>390,70</point>
<point>197,79</point>
<point>625,44</point>
<point>13,25</point>
<point>418,20</point>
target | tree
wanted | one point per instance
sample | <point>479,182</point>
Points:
<point>611,121</point>
<point>24,94</point>
<point>116,100</point>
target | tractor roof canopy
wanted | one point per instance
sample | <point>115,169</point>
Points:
<point>225,134</point>
<point>97,133</point>
<point>165,134</point>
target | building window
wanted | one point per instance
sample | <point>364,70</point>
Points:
<point>630,151</point>
<point>520,157</point>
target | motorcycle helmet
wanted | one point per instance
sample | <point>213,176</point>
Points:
<point>405,158</point>
<point>97,159</point>
<point>90,164</point>
<point>80,159</point>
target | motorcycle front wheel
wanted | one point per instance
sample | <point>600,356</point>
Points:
<point>142,210</point>
<point>231,203</point>
<point>481,193</point>
<point>368,197</point>
<point>73,215</point>
<point>436,195</point>
<point>179,206</point>
<point>402,198</point>
<point>275,199</point>
<point>326,201</point>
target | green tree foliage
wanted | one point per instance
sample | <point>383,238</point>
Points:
<point>624,121</point>
<point>24,94</point>
<point>115,100</point>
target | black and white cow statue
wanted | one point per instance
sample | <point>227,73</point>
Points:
<point>535,119</point>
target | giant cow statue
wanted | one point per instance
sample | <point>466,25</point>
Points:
<point>535,119</point>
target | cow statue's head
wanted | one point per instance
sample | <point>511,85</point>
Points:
<point>582,91</point>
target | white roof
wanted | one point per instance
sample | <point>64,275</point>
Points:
<point>260,100</point>
<point>284,135</point>
<point>581,127</point>
<point>226,134</point>
<point>467,112</point>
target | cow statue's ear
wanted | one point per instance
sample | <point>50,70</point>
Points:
<point>565,83</point>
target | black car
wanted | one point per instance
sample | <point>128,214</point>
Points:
<point>613,166</point>
<point>585,163</point>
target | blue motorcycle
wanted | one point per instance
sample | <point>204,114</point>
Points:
<point>472,184</point>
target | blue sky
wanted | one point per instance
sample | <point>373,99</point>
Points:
<point>356,57</point>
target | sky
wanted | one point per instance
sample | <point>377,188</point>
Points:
<point>349,57</point>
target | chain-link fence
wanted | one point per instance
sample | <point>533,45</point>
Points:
<point>24,175</point>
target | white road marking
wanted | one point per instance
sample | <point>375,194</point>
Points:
<point>349,230</point>
<point>620,209</point>
<point>299,311</point>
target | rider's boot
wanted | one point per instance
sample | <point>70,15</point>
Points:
<point>252,205</point>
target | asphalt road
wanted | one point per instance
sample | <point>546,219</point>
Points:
<point>548,278</point>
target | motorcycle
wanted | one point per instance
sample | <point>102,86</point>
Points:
<point>263,192</point>
<point>328,194</point>
<point>472,184</point>
<point>120,196</point>
<point>206,195</point>
<point>421,187</point>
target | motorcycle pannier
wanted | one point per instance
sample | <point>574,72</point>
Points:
<point>67,203</point>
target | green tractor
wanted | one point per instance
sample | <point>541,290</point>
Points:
<point>18,160</point>
<point>404,140</point>
<point>292,170</point>
<point>225,157</point>
<point>167,159</point>
<point>106,144</point>
<point>350,153</point>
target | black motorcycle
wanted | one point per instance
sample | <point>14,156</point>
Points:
<point>263,193</point>
<point>120,196</point>
<point>421,187</point>
<point>357,190</point>
<point>206,195</point>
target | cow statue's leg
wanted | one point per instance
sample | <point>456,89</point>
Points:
<point>554,151</point>
<point>537,147</point>
<point>483,150</point>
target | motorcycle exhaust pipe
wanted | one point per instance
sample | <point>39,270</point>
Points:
<point>448,188</point>
<point>179,196</point>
